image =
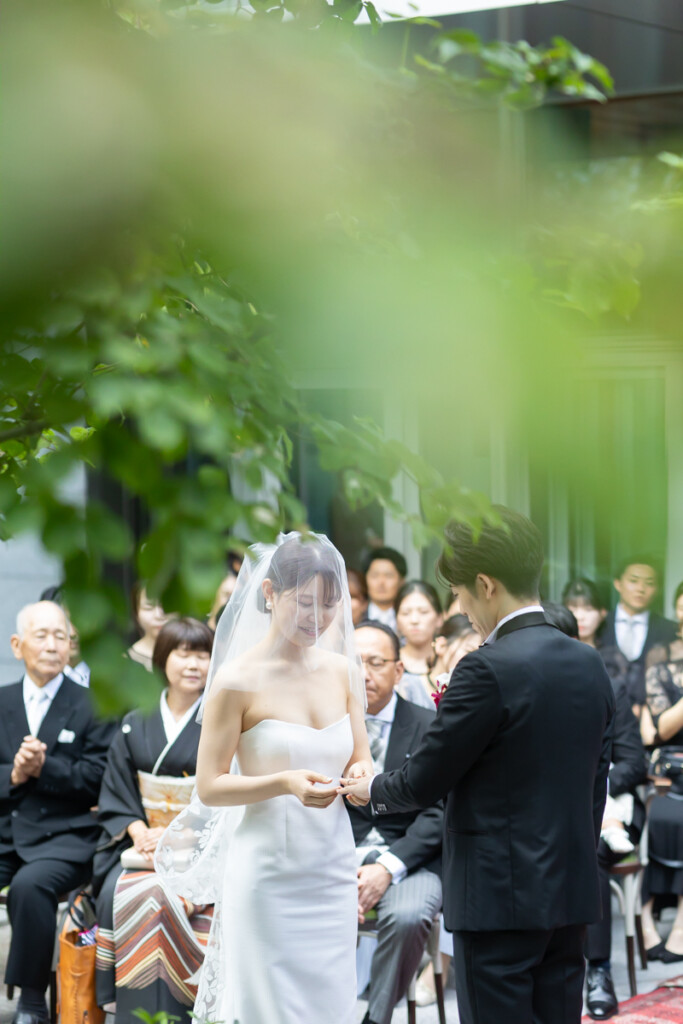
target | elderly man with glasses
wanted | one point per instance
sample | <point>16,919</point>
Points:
<point>399,855</point>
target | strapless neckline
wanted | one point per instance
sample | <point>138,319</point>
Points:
<point>297,725</point>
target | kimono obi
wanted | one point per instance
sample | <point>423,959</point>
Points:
<point>164,796</point>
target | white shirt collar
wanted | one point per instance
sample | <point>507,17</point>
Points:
<point>387,616</point>
<point>33,691</point>
<point>172,728</point>
<point>388,711</point>
<point>513,615</point>
<point>642,618</point>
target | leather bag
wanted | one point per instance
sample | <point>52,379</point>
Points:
<point>76,968</point>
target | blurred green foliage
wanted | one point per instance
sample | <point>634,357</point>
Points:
<point>200,205</point>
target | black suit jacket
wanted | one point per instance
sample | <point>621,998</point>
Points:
<point>414,836</point>
<point>51,817</point>
<point>659,631</point>
<point>521,746</point>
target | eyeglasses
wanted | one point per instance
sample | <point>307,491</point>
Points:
<point>375,664</point>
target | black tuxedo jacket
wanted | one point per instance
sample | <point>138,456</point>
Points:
<point>50,817</point>
<point>659,631</point>
<point>520,746</point>
<point>414,836</point>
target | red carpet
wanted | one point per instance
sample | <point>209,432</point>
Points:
<point>658,1007</point>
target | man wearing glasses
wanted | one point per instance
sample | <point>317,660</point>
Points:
<point>399,855</point>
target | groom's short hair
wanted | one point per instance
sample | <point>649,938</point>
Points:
<point>511,552</point>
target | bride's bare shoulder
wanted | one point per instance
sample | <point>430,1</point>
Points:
<point>234,675</point>
<point>338,665</point>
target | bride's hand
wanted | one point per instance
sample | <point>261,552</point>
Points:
<point>301,783</point>
<point>359,770</point>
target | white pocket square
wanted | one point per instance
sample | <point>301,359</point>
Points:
<point>66,736</point>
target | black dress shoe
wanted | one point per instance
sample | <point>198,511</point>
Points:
<point>655,952</point>
<point>24,1017</point>
<point>601,999</point>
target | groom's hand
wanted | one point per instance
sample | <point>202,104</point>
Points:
<point>356,791</point>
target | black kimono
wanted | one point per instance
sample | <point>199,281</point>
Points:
<point>150,942</point>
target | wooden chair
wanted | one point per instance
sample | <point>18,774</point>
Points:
<point>626,882</point>
<point>370,928</point>
<point>626,879</point>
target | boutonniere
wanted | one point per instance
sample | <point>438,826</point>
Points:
<point>442,682</point>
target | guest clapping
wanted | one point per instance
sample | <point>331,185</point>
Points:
<point>49,780</point>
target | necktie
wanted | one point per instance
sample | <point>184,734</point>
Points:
<point>628,639</point>
<point>37,710</point>
<point>375,729</point>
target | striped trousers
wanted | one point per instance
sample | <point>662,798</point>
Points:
<point>404,917</point>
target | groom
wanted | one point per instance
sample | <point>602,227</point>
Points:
<point>520,746</point>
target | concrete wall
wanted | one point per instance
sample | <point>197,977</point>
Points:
<point>26,569</point>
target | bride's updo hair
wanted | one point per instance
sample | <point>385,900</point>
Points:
<point>297,561</point>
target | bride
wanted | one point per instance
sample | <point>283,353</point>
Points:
<point>268,839</point>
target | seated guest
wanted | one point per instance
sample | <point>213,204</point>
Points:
<point>149,618</point>
<point>358,590</point>
<point>418,616</point>
<point>399,854</point>
<point>678,607</point>
<point>223,595</point>
<point>385,570</point>
<point>632,627</point>
<point>664,873</point>
<point>456,638</point>
<point>52,756</point>
<point>150,942</point>
<point>77,669</point>
<point>621,829</point>
<point>453,641</point>
<point>584,600</point>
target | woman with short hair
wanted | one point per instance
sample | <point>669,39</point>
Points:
<point>151,942</point>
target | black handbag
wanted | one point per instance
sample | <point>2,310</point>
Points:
<point>667,763</point>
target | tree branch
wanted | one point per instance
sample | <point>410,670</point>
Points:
<point>24,430</point>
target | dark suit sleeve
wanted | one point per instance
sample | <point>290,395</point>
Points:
<point>80,779</point>
<point>468,717</point>
<point>600,785</point>
<point>7,790</point>
<point>628,755</point>
<point>421,843</point>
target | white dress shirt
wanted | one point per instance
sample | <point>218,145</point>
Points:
<point>386,616</point>
<point>37,700</point>
<point>374,839</point>
<point>79,673</point>
<point>631,632</point>
<point>172,728</point>
<point>513,615</point>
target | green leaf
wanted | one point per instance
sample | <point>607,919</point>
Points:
<point>161,430</point>
<point>465,40</point>
<point>671,159</point>
<point>374,17</point>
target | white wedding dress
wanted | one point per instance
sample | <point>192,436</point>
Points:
<point>289,908</point>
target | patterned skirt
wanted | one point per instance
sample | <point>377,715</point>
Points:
<point>156,946</point>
